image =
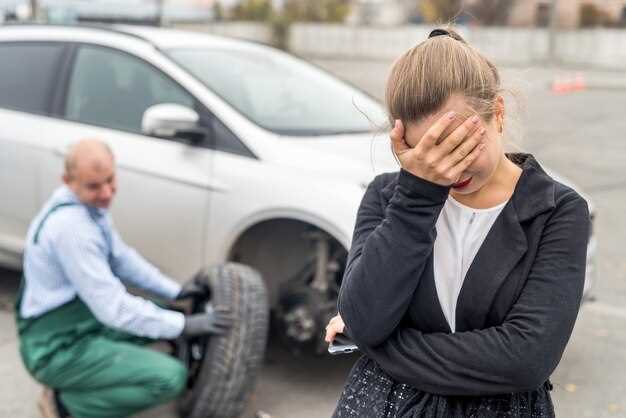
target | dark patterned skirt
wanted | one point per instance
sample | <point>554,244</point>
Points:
<point>371,393</point>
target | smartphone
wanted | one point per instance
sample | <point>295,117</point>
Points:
<point>342,345</point>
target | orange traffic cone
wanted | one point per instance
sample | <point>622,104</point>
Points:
<point>559,86</point>
<point>580,83</point>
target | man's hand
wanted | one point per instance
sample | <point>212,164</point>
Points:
<point>213,322</point>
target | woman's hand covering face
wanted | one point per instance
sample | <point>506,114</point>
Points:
<point>438,156</point>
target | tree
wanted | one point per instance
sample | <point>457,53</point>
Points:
<point>292,11</point>
<point>492,12</point>
<point>591,16</point>
<point>259,10</point>
<point>440,11</point>
<point>218,11</point>
<point>34,9</point>
<point>317,11</point>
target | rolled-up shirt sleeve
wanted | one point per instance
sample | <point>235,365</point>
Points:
<point>82,252</point>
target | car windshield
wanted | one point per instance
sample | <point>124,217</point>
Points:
<point>281,93</point>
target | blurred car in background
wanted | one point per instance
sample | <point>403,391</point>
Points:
<point>226,151</point>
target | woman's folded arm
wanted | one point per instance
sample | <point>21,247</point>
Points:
<point>390,247</point>
<point>518,355</point>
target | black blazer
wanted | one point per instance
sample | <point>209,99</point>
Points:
<point>518,303</point>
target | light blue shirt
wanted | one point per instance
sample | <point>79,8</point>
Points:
<point>79,253</point>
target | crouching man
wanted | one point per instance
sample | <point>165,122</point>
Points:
<point>81,332</point>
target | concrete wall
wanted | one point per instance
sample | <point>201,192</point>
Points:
<point>251,31</point>
<point>598,48</point>
<point>380,12</point>
<point>595,48</point>
<point>511,46</point>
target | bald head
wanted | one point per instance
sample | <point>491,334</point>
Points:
<point>90,172</point>
<point>87,153</point>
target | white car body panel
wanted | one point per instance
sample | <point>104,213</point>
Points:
<point>182,206</point>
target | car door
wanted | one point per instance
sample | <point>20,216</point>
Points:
<point>163,185</point>
<point>27,78</point>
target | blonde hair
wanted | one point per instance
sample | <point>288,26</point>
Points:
<point>425,77</point>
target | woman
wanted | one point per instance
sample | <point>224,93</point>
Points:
<point>467,267</point>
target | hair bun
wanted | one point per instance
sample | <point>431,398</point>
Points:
<point>445,32</point>
<point>439,32</point>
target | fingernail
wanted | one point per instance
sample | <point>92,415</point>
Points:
<point>451,115</point>
<point>475,119</point>
<point>482,131</point>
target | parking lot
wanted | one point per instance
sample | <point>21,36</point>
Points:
<point>580,135</point>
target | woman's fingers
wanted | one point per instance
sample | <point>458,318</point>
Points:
<point>460,167</point>
<point>335,326</point>
<point>398,142</point>
<point>331,331</point>
<point>456,137</point>
<point>438,152</point>
<point>330,335</point>
<point>465,148</point>
<point>434,133</point>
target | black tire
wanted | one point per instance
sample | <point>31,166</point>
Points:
<point>225,372</point>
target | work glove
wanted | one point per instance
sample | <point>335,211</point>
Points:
<point>215,321</point>
<point>192,290</point>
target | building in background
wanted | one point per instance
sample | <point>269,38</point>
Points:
<point>522,13</point>
<point>569,13</point>
<point>527,13</point>
<point>131,11</point>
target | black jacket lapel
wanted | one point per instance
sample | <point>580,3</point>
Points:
<point>504,245</point>
<point>485,275</point>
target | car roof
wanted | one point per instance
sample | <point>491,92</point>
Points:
<point>173,38</point>
<point>161,38</point>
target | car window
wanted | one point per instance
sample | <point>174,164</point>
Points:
<point>281,93</point>
<point>113,89</point>
<point>27,75</point>
<point>225,140</point>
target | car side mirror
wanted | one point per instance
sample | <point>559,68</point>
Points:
<point>170,120</point>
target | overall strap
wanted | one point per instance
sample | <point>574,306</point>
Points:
<point>46,216</point>
<point>20,292</point>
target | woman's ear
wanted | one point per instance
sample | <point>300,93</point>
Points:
<point>500,113</point>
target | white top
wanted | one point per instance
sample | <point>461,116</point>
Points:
<point>461,231</point>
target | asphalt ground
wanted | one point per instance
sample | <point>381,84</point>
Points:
<point>581,136</point>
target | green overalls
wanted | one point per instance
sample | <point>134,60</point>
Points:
<point>98,372</point>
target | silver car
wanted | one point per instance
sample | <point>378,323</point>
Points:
<point>227,151</point>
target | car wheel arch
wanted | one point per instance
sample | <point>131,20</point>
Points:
<point>277,246</point>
